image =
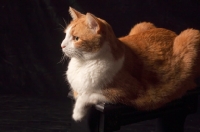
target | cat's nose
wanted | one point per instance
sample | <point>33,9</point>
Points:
<point>63,46</point>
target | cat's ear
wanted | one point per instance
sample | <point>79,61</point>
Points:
<point>74,13</point>
<point>93,22</point>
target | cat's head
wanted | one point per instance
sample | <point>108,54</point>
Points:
<point>87,37</point>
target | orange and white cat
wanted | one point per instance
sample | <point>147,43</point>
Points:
<point>145,69</point>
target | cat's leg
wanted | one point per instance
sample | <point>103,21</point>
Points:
<point>84,102</point>
<point>96,98</point>
<point>80,108</point>
<point>141,27</point>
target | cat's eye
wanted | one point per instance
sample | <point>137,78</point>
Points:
<point>76,38</point>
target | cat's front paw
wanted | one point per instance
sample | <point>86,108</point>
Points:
<point>77,116</point>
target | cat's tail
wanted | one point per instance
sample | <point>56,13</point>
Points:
<point>186,51</point>
<point>141,27</point>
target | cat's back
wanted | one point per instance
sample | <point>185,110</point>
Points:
<point>153,39</point>
<point>152,45</point>
<point>152,50</point>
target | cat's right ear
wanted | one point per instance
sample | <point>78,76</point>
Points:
<point>74,13</point>
<point>93,22</point>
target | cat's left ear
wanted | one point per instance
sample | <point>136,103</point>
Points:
<point>74,13</point>
<point>93,22</point>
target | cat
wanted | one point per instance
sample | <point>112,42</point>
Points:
<point>146,69</point>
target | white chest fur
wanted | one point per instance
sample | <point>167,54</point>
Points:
<point>90,76</point>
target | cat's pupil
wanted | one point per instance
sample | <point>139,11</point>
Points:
<point>76,38</point>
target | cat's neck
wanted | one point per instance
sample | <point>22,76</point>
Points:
<point>117,48</point>
<point>94,73</point>
<point>110,51</point>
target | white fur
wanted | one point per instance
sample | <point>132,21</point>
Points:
<point>83,102</point>
<point>68,44</point>
<point>88,73</point>
<point>68,38</point>
<point>88,77</point>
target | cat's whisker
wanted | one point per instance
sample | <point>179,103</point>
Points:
<point>62,26</point>
<point>60,29</point>
<point>65,22</point>
<point>63,58</point>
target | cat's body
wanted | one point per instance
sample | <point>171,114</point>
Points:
<point>145,69</point>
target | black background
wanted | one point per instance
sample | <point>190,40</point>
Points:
<point>31,34</point>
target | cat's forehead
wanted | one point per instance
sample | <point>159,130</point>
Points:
<point>79,23</point>
<point>68,30</point>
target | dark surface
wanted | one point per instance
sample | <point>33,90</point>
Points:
<point>110,117</point>
<point>33,91</point>
<point>31,114</point>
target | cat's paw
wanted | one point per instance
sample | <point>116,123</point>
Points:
<point>77,116</point>
<point>79,111</point>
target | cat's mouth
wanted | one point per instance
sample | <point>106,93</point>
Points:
<point>72,53</point>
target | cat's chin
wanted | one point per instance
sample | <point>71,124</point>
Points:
<point>84,56</point>
<point>69,56</point>
<point>73,55</point>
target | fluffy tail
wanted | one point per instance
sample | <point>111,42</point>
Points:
<point>141,27</point>
<point>186,51</point>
